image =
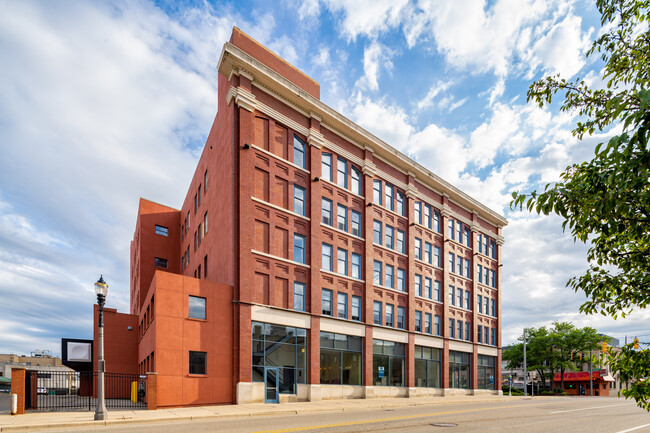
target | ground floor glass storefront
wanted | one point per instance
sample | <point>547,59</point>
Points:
<point>486,372</point>
<point>341,359</point>
<point>459,370</point>
<point>388,363</point>
<point>283,347</point>
<point>427,367</point>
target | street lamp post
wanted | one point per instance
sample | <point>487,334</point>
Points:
<point>525,367</point>
<point>101,289</point>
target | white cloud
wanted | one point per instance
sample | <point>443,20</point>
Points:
<point>376,57</point>
<point>309,9</point>
<point>367,17</point>
<point>434,91</point>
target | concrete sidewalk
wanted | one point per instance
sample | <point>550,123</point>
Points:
<point>44,420</point>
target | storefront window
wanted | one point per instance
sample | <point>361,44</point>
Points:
<point>283,347</point>
<point>388,363</point>
<point>486,372</point>
<point>427,367</point>
<point>459,370</point>
<point>340,359</point>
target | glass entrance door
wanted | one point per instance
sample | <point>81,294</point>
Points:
<point>271,385</point>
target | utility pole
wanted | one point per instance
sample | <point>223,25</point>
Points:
<point>591,374</point>
<point>525,368</point>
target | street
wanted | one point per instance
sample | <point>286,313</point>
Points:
<point>550,414</point>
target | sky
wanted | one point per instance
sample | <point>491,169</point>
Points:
<point>104,102</point>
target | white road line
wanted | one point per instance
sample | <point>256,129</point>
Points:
<point>634,428</point>
<point>588,408</point>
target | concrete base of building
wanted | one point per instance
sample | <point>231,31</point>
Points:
<point>253,392</point>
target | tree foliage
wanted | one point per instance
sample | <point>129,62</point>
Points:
<point>606,201</point>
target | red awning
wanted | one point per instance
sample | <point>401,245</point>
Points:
<point>578,376</point>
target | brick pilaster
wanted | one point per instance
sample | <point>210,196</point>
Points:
<point>152,391</point>
<point>18,388</point>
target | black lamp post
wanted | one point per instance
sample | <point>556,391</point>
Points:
<point>101,289</point>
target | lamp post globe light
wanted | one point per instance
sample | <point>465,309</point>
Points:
<point>101,289</point>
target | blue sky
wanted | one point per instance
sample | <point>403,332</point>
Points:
<point>105,102</point>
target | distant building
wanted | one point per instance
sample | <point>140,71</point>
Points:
<point>310,259</point>
<point>45,363</point>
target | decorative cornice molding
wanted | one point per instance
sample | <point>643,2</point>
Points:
<point>315,138</point>
<point>316,116</point>
<point>500,240</point>
<point>245,99</point>
<point>411,191</point>
<point>244,73</point>
<point>445,211</point>
<point>369,149</point>
<point>369,168</point>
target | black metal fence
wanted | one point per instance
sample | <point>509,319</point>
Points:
<point>76,391</point>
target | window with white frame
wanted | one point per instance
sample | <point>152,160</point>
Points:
<point>298,296</point>
<point>342,218</point>
<point>326,211</point>
<point>356,223</point>
<point>376,232</point>
<point>298,152</point>
<point>356,181</point>
<point>326,166</point>
<point>401,280</point>
<point>341,172</point>
<point>356,265</point>
<point>389,196</point>
<point>377,273</point>
<point>342,261</point>
<point>327,257</point>
<point>376,191</point>
<point>299,200</point>
<point>390,237</point>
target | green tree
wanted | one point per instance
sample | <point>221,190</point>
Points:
<point>606,201</point>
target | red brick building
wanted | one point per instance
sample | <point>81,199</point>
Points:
<point>311,258</point>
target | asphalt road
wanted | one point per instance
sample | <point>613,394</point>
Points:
<point>566,414</point>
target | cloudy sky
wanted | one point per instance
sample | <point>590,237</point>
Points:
<point>105,102</point>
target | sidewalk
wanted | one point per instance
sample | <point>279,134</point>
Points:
<point>44,420</point>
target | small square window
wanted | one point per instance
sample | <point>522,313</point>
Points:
<point>161,263</point>
<point>198,362</point>
<point>162,230</point>
<point>196,307</point>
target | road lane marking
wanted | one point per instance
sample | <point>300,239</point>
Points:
<point>589,408</point>
<point>633,428</point>
<point>397,418</point>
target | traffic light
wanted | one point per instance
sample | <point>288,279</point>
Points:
<point>636,343</point>
<point>604,346</point>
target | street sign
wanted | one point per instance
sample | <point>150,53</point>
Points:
<point>380,372</point>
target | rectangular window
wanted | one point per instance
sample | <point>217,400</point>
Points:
<point>390,276</point>
<point>341,172</point>
<point>452,234</point>
<point>377,273</point>
<point>326,166</point>
<point>200,233</point>
<point>342,305</point>
<point>427,215</point>
<point>468,268</point>
<point>400,204</point>
<point>436,222</point>
<point>376,232</point>
<point>161,263</point>
<point>400,241</point>
<point>493,307</point>
<point>418,321</point>
<point>493,250</point>
<point>356,266</point>
<point>401,311</point>
<point>427,252</point>
<point>299,249</point>
<point>452,262</point>
<point>427,323</point>
<point>460,330</point>
<point>196,308</point>
<point>342,218</point>
<point>486,276</point>
<point>452,295</point>
<point>356,223</point>
<point>418,285</point>
<point>427,288</point>
<point>468,303</point>
<point>437,293</point>
<point>327,302</point>
<point>468,238</point>
<point>376,191</point>
<point>198,362</point>
<point>459,260</point>
<point>493,281</point>
<point>162,230</point>
<point>480,243</point>
<point>480,273</point>
<point>459,297</point>
<point>486,334</point>
<point>298,296</point>
<point>389,315</point>
<point>356,308</point>
<point>390,236</point>
<point>452,328</point>
<point>298,152</point>
<point>436,325</point>
<point>196,205</point>
<point>493,340</point>
<point>467,331</point>
<point>487,305</point>
<point>205,182</point>
<point>356,181</point>
<point>400,280</point>
<point>486,242</point>
<point>342,262</point>
<point>459,228</point>
<point>326,257</point>
<point>299,200</point>
<point>326,211</point>
<point>205,224</point>
<point>418,248</point>
<point>376,313</point>
<point>479,302</point>
<point>389,197</point>
<point>418,212</point>
<point>479,336</point>
<point>436,257</point>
